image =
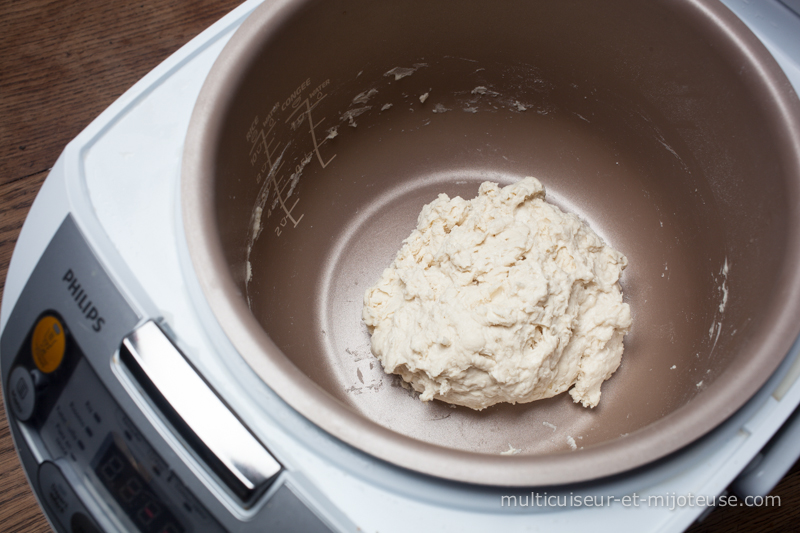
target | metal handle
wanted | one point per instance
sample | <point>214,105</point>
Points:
<point>198,414</point>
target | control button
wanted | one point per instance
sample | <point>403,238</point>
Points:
<point>40,379</point>
<point>22,393</point>
<point>57,494</point>
<point>48,344</point>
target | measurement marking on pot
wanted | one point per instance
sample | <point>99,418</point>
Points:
<point>266,147</point>
<point>259,143</point>
<point>279,197</point>
<point>311,126</point>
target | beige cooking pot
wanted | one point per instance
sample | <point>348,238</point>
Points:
<point>325,126</point>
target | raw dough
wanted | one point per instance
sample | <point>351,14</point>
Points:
<point>502,298</point>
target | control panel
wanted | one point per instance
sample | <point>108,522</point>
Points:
<point>116,428</point>
<point>54,389</point>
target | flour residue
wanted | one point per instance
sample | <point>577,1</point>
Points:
<point>724,287</point>
<point>403,72</point>
<point>364,97</point>
<point>484,91</point>
<point>669,148</point>
<point>372,387</point>
<point>295,177</point>
<point>511,451</point>
<point>716,325</point>
<point>351,114</point>
<point>257,212</point>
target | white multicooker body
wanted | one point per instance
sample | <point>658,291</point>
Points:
<point>98,422</point>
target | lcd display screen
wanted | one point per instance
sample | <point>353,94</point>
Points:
<point>133,493</point>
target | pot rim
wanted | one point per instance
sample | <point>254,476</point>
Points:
<point>686,424</point>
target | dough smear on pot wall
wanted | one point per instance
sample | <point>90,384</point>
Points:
<point>502,298</point>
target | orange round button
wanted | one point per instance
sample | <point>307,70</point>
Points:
<point>48,344</point>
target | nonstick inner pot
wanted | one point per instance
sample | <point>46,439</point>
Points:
<point>326,126</point>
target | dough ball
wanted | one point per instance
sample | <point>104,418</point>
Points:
<point>502,298</point>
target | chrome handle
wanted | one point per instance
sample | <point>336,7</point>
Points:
<point>197,413</point>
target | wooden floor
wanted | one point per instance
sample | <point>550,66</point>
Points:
<point>61,63</point>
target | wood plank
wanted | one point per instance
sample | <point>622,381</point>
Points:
<point>19,510</point>
<point>16,198</point>
<point>65,62</point>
